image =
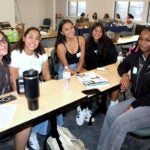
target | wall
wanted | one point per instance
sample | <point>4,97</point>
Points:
<point>31,12</point>
<point>7,11</point>
<point>99,6</point>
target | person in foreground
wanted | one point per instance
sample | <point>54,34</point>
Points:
<point>133,113</point>
<point>100,51</point>
<point>28,54</point>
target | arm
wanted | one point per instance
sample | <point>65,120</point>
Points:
<point>14,75</point>
<point>45,71</point>
<point>81,60</point>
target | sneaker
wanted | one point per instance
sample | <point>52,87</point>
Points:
<point>88,116</point>
<point>81,117</point>
<point>33,142</point>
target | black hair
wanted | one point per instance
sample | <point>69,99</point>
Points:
<point>104,43</point>
<point>60,37</point>
<point>20,44</point>
<point>6,58</point>
<point>94,16</point>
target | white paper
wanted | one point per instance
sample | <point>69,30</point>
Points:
<point>6,114</point>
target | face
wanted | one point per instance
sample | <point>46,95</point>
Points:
<point>3,45</point>
<point>68,30</point>
<point>144,41</point>
<point>32,40</point>
<point>97,33</point>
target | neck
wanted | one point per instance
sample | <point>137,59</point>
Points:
<point>28,52</point>
<point>146,55</point>
<point>1,57</point>
<point>70,39</point>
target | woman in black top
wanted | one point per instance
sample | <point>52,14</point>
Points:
<point>70,48</point>
<point>133,113</point>
<point>100,51</point>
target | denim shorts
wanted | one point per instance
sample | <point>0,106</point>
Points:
<point>61,68</point>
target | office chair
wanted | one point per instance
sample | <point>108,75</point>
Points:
<point>46,24</point>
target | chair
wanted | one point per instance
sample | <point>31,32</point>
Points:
<point>46,24</point>
<point>141,133</point>
<point>54,64</point>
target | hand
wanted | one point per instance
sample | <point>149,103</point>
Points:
<point>130,108</point>
<point>125,81</point>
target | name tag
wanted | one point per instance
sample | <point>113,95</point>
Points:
<point>134,70</point>
<point>78,54</point>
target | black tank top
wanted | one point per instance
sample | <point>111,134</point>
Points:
<point>73,58</point>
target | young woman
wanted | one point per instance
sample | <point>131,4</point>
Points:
<point>133,113</point>
<point>5,82</point>
<point>70,51</point>
<point>94,17</point>
<point>100,51</point>
<point>70,48</point>
<point>29,54</point>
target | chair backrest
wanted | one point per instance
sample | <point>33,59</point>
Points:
<point>54,64</point>
<point>47,21</point>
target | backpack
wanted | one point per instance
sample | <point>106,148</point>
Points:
<point>54,64</point>
<point>68,140</point>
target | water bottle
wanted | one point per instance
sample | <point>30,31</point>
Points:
<point>66,77</point>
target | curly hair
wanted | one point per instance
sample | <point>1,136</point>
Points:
<point>20,44</point>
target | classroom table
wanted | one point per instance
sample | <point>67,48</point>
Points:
<point>127,40</point>
<point>53,97</point>
<point>115,29</point>
<point>48,51</point>
<point>49,34</point>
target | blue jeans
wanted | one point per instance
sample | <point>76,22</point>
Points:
<point>42,127</point>
<point>118,123</point>
<point>61,68</point>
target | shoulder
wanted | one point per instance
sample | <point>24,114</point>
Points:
<point>16,53</point>
<point>60,47</point>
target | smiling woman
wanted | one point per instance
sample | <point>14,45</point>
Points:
<point>29,54</point>
<point>70,48</point>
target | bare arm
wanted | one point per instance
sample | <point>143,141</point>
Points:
<point>14,75</point>
<point>45,71</point>
<point>81,60</point>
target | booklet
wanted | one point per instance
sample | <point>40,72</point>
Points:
<point>92,80</point>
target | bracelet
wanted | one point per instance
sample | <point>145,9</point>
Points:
<point>125,75</point>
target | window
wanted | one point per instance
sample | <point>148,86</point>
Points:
<point>148,16</point>
<point>75,8</point>
<point>133,7</point>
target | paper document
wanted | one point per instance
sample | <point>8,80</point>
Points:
<point>92,80</point>
<point>6,114</point>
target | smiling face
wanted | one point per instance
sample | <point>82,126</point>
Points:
<point>3,46</point>
<point>32,40</point>
<point>97,33</point>
<point>68,30</point>
<point>144,42</point>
